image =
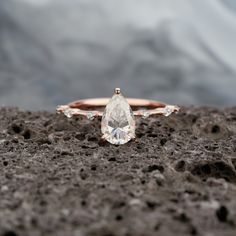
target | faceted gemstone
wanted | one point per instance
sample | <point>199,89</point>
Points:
<point>145,114</point>
<point>68,112</point>
<point>168,110</point>
<point>118,124</point>
<point>90,115</point>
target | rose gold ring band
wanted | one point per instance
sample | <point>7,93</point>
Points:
<point>140,107</point>
<point>102,102</point>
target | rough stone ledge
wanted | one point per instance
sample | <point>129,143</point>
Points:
<point>177,178</point>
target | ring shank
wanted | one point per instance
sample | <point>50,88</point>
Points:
<point>94,107</point>
<point>102,102</point>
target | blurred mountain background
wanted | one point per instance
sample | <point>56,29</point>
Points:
<point>56,51</point>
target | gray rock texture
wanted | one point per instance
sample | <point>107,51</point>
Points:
<point>57,177</point>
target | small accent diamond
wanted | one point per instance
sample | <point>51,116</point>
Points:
<point>168,110</point>
<point>145,114</point>
<point>69,112</point>
<point>90,115</point>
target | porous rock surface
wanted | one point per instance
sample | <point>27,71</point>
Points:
<point>57,177</point>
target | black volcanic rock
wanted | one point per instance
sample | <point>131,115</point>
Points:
<point>58,178</point>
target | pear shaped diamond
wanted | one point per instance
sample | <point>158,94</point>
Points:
<point>118,124</point>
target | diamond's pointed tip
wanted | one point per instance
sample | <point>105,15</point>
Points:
<point>117,91</point>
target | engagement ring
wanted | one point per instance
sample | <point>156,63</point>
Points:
<point>118,122</point>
